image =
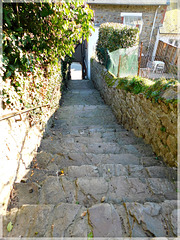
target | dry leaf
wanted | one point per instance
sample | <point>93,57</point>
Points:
<point>83,214</point>
<point>62,173</point>
<point>103,199</point>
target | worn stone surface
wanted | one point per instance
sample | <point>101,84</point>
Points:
<point>26,193</point>
<point>105,221</point>
<point>91,190</point>
<point>30,221</point>
<point>148,215</point>
<point>55,190</point>
<point>91,176</point>
<point>67,221</point>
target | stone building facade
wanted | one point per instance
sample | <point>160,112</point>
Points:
<point>152,16</point>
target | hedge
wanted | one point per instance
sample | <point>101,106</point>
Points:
<point>36,36</point>
<point>113,36</point>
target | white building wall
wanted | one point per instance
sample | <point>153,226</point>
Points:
<point>92,48</point>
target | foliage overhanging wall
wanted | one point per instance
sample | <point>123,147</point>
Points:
<point>36,37</point>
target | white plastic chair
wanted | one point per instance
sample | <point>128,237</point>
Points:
<point>158,66</point>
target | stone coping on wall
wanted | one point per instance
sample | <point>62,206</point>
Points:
<point>155,122</point>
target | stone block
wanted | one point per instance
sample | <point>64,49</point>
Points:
<point>172,144</point>
<point>143,117</point>
<point>105,221</point>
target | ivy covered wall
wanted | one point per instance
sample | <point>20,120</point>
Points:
<point>37,37</point>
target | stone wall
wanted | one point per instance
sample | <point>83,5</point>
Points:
<point>111,13</point>
<point>19,142</point>
<point>155,122</point>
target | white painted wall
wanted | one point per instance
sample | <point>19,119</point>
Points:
<point>92,48</point>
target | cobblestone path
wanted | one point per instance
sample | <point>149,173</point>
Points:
<point>91,177</point>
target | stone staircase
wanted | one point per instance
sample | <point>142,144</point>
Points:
<point>91,177</point>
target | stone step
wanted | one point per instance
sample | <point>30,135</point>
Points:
<point>134,220</point>
<point>81,92</point>
<point>101,220</point>
<point>80,84</point>
<point>90,130</point>
<point>92,190</point>
<point>124,145</point>
<point>63,220</point>
<point>83,108</point>
<point>74,93</point>
<point>74,121</point>
<point>78,129</point>
<point>48,161</point>
<point>83,111</point>
<point>122,138</point>
<point>103,170</point>
<point>91,177</point>
<point>55,146</point>
<point>116,170</point>
<point>84,115</point>
<point>79,97</point>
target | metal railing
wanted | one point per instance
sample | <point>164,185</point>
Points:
<point>10,115</point>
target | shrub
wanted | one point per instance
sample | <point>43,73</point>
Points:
<point>113,36</point>
<point>151,89</point>
<point>36,36</point>
<point>36,33</point>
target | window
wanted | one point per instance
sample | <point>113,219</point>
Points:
<point>132,19</point>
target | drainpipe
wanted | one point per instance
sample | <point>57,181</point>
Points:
<point>153,28</point>
<point>155,46</point>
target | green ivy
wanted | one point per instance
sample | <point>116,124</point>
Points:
<point>151,89</point>
<point>163,129</point>
<point>36,33</point>
<point>36,38</point>
<point>134,84</point>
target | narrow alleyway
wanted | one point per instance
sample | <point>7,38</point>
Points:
<point>91,176</point>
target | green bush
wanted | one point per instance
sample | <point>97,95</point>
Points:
<point>36,33</point>
<point>113,36</point>
<point>151,89</point>
<point>36,36</point>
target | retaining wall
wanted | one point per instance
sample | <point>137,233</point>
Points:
<point>155,122</point>
<point>19,142</point>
